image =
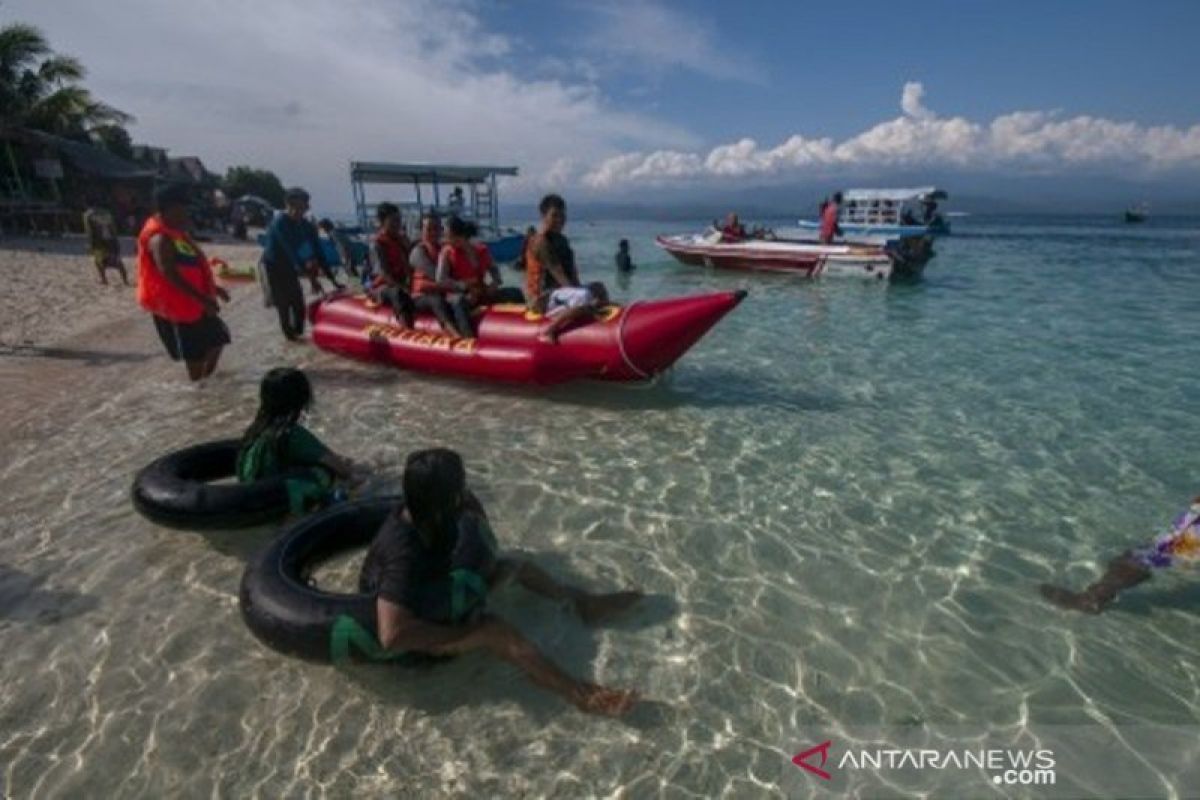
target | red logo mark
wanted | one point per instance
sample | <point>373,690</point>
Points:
<point>800,760</point>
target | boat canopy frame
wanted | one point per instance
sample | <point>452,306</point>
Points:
<point>886,206</point>
<point>482,204</point>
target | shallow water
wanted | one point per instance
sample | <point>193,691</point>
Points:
<point>841,503</point>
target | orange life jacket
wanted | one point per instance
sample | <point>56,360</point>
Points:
<point>159,296</point>
<point>535,271</point>
<point>422,283</point>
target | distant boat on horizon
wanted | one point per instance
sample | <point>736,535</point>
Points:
<point>1137,213</point>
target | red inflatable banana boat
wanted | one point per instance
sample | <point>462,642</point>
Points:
<point>627,343</point>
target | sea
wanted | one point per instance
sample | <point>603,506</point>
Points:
<point>840,505</point>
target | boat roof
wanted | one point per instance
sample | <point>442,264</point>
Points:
<point>383,172</point>
<point>896,195</point>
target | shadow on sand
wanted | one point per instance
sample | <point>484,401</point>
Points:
<point>91,358</point>
<point>23,599</point>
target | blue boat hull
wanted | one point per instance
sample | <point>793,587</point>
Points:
<point>505,249</point>
<point>940,228</point>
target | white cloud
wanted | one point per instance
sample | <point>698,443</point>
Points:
<point>305,87</point>
<point>1023,140</point>
<point>650,36</point>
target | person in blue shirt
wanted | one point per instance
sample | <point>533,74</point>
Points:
<point>293,248</point>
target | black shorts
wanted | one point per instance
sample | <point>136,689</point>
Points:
<point>191,341</point>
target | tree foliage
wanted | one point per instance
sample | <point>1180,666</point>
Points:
<point>41,89</point>
<point>248,180</point>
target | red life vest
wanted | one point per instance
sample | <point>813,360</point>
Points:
<point>463,264</point>
<point>393,251</point>
<point>154,292</point>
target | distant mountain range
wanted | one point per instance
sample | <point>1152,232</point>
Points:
<point>975,194</point>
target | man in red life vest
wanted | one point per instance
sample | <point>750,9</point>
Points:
<point>175,284</point>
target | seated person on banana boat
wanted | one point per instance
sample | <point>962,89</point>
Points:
<point>433,563</point>
<point>573,306</point>
<point>466,265</point>
<point>393,275</point>
<point>276,444</point>
<point>550,261</point>
<point>427,292</point>
<point>1180,545</point>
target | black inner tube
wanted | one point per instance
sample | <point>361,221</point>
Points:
<point>288,614</point>
<point>178,490</point>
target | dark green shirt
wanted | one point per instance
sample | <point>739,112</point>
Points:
<point>260,460</point>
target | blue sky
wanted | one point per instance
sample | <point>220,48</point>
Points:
<point>616,98</point>
<point>834,68</point>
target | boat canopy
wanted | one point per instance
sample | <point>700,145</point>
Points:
<point>481,204</point>
<point>919,194</point>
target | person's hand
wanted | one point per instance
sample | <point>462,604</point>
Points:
<point>221,293</point>
<point>211,309</point>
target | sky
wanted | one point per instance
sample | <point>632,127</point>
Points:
<point>616,99</point>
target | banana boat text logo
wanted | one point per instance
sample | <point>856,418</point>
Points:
<point>434,341</point>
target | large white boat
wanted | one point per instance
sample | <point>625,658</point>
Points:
<point>894,213</point>
<point>807,258</point>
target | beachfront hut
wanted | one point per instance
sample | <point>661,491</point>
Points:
<point>49,180</point>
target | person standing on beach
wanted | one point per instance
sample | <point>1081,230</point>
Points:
<point>101,231</point>
<point>175,284</point>
<point>293,248</point>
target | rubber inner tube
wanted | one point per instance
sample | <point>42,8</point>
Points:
<point>178,490</point>
<point>290,615</point>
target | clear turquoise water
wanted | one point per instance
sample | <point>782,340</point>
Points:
<point>842,503</point>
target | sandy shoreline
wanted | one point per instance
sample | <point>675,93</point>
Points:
<point>58,324</point>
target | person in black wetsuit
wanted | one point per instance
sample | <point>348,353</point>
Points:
<point>431,566</point>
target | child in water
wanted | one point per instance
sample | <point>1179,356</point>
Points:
<point>276,444</point>
<point>1180,544</point>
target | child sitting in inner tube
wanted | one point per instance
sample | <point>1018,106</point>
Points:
<point>1180,544</point>
<point>572,304</point>
<point>431,566</point>
<point>276,444</point>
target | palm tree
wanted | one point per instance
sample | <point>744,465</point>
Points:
<point>40,88</point>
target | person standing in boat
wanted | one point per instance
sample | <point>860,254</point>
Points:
<point>829,219</point>
<point>733,230</point>
<point>551,261</point>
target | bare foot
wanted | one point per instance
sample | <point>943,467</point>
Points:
<point>548,338</point>
<point>593,608</point>
<point>608,702</point>
<point>1075,601</point>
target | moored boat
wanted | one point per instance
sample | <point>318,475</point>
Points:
<point>894,213</point>
<point>628,343</point>
<point>809,259</point>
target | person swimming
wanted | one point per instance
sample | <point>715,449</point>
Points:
<point>1179,545</point>
<point>432,565</point>
<point>276,444</point>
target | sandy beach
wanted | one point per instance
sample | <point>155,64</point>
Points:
<point>55,316</point>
